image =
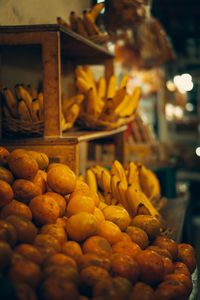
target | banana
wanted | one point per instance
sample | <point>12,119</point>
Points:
<point>6,112</point>
<point>97,171</point>
<point>136,199</point>
<point>24,113</point>
<point>101,197</point>
<point>83,85</point>
<point>90,179</point>
<point>133,176</point>
<point>60,21</point>
<point>123,81</point>
<point>122,105</point>
<point>149,182</point>
<point>88,70</point>
<point>72,114</point>
<point>81,177</point>
<point>119,96</point>
<point>79,71</point>
<point>123,197</point>
<point>106,178</point>
<point>130,108</point>
<point>118,170</point>
<point>80,29</point>
<point>88,23</point>
<point>101,91</point>
<point>35,110</point>
<point>67,103</point>
<point>10,101</point>
<point>92,101</point>
<point>41,102</point>
<point>32,91</point>
<point>113,185</point>
<point>73,20</point>
<point>107,113</point>
<point>108,198</point>
<point>22,93</point>
<point>112,84</point>
<point>96,9</point>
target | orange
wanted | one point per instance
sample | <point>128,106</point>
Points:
<point>55,230</point>
<point>22,289</point>
<point>117,215</point>
<point>60,259</point>
<point>97,245</point>
<point>138,235</point>
<point>187,255</point>
<point>125,237</point>
<point>151,266</point>
<point>6,193</point>
<point>16,208</point>
<point>142,291</point>
<point>167,243</point>
<point>60,200</point>
<point>110,231</point>
<point>29,252</point>
<point>92,274</point>
<point>79,202</point>
<point>181,268</point>
<point>81,225</point>
<point>130,248</point>
<point>124,266</point>
<point>72,249</point>
<point>8,233</point>
<point>25,271</point>
<point>98,214</point>
<point>47,240</point>
<point>5,255</point>
<point>89,259</point>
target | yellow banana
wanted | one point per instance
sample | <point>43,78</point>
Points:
<point>88,23</point>
<point>24,113</point>
<point>123,197</point>
<point>101,197</point>
<point>10,101</point>
<point>35,110</point>
<point>101,91</point>
<point>41,102</point>
<point>90,179</point>
<point>113,185</point>
<point>6,112</point>
<point>136,199</point>
<point>133,103</point>
<point>118,169</point>
<point>149,182</point>
<point>112,84</point>
<point>72,114</point>
<point>88,70</point>
<point>67,103</point>
<point>81,28</point>
<point>123,104</point>
<point>123,81</point>
<point>81,177</point>
<point>83,85</point>
<point>73,20</point>
<point>133,176</point>
<point>60,21</point>
<point>32,91</point>
<point>92,101</point>
<point>97,171</point>
<point>106,178</point>
<point>119,96</point>
<point>107,113</point>
<point>96,9</point>
<point>79,71</point>
<point>22,93</point>
<point>108,198</point>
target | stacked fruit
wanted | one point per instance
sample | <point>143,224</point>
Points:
<point>60,240</point>
<point>85,25</point>
<point>102,100</point>
<point>26,104</point>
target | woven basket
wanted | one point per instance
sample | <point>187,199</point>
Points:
<point>19,128</point>
<point>88,122</point>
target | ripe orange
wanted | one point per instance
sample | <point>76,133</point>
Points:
<point>98,214</point>
<point>130,248</point>
<point>60,259</point>
<point>97,245</point>
<point>55,230</point>
<point>29,252</point>
<point>72,249</point>
<point>79,202</point>
<point>110,231</point>
<point>92,274</point>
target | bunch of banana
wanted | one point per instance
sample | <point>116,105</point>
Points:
<point>85,25</point>
<point>70,110</point>
<point>123,185</point>
<point>103,99</point>
<point>26,104</point>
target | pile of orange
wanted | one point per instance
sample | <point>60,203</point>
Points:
<point>58,240</point>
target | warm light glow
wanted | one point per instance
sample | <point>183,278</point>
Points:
<point>170,85</point>
<point>198,151</point>
<point>183,82</point>
<point>189,106</point>
<point>111,47</point>
<point>173,111</point>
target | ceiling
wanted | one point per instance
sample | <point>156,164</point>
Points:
<point>181,21</point>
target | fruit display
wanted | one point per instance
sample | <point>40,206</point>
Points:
<point>22,109</point>
<point>96,236</point>
<point>85,25</point>
<point>102,104</point>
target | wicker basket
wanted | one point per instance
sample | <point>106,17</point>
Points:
<point>88,122</point>
<point>19,128</point>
